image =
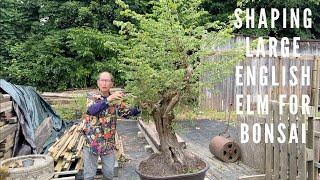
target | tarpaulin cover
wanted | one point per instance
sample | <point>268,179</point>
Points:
<point>32,110</point>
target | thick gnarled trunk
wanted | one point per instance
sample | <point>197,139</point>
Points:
<point>163,117</point>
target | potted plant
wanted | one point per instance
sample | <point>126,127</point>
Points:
<point>165,57</point>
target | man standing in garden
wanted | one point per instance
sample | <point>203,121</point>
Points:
<point>100,127</point>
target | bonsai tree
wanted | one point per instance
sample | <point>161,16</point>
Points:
<point>168,52</point>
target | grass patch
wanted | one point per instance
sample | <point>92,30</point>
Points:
<point>68,111</point>
<point>186,112</point>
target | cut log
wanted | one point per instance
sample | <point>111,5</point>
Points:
<point>6,106</point>
<point>12,120</point>
<point>3,122</point>
<point>8,143</point>
<point>5,98</point>
<point>8,114</point>
<point>6,130</point>
<point>8,154</point>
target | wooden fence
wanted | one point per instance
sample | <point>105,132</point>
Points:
<point>224,93</point>
<point>286,160</point>
<point>275,160</point>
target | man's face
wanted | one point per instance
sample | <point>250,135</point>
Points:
<point>105,82</point>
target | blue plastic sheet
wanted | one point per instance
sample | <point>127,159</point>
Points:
<point>33,109</point>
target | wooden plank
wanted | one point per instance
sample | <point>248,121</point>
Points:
<point>302,150</point>
<point>150,130</point>
<point>3,122</point>
<point>276,162</point>
<point>255,155</point>
<point>59,142</point>
<point>66,172</point>
<point>253,177</point>
<point>74,140</point>
<point>8,143</point>
<point>79,147</point>
<point>151,143</point>
<point>79,164</point>
<point>60,95</point>
<point>12,120</point>
<point>312,171</point>
<point>73,157</point>
<point>268,162</point>
<point>62,143</point>
<point>58,166</point>
<point>8,114</point>
<point>119,145</point>
<point>293,153</point>
<point>69,157</point>
<point>43,132</point>
<point>301,58</point>
<point>317,165</point>
<point>150,133</point>
<point>6,106</point>
<point>309,154</point>
<point>5,98</point>
<point>6,130</point>
<point>66,166</point>
<point>316,153</point>
<point>63,148</point>
<point>60,101</point>
<point>8,154</point>
<point>284,146</point>
<point>65,178</point>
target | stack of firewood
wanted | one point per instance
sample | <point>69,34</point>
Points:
<point>8,126</point>
<point>67,151</point>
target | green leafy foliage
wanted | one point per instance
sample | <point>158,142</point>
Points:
<point>165,44</point>
<point>55,45</point>
<point>68,111</point>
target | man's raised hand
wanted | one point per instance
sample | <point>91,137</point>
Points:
<point>115,96</point>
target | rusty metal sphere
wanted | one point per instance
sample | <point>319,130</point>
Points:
<point>224,149</point>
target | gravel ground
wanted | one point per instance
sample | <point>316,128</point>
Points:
<point>133,148</point>
<point>200,131</point>
<point>203,131</point>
